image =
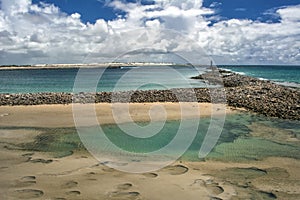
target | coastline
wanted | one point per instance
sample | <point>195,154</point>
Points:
<point>259,96</point>
<point>93,65</point>
<point>31,174</point>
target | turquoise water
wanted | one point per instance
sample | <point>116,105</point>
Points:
<point>288,75</point>
<point>244,137</point>
<point>62,80</point>
<point>151,77</point>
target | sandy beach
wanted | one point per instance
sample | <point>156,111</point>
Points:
<point>28,174</point>
<point>149,100</point>
<point>62,115</point>
<point>35,175</point>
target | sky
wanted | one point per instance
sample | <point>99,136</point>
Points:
<point>89,31</point>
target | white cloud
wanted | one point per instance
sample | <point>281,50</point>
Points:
<point>290,14</point>
<point>42,33</point>
<point>153,23</point>
<point>14,7</point>
<point>215,4</point>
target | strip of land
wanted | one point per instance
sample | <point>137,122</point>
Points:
<point>92,65</point>
<point>62,115</point>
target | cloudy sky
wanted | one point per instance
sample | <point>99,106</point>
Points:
<point>77,31</point>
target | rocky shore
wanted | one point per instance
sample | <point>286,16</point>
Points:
<point>260,96</point>
<point>256,95</point>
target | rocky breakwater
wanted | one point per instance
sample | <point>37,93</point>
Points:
<point>260,96</point>
<point>266,98</point>
<point>35,98</point>
<point>174,95</point>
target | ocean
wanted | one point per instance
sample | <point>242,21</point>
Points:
<point>143,78</point>
<point>127,78</point>
<point>285,75</point>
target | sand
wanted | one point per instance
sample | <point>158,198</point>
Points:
<point>62,115</point>
<point>27,174</point>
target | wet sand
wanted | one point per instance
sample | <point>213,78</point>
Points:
<point>27,174</point>
<point>36,175</point>
<point>62,115</point>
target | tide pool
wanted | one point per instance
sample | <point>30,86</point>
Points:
<point>244,137</point>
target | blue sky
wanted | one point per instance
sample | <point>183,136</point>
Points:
<point>76,31</point>
<point>254,9</point>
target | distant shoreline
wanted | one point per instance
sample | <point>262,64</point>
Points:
<point>126,64</point>
<point>93,65</point>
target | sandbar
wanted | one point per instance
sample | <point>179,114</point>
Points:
<point>62,115</point>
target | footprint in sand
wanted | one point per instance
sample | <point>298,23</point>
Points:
<point>176,170</point>
<point>73,193</point>
<point>107,169</point>
<point>212,187</point>
<point>125,195</point>
<point>124,186</point>
<point>27,154</point>
<point>215,198</point>
<point>121,194</point>
<point>216,190</point>
<point>91,176</point>
<point>28,178</point>
<point>26,181</point>
<point>69,184</point>
<point>198,183</point>
<point>41,161</point>
<point>28,194</point>
<point>91,173</point>
<point>150,175</point>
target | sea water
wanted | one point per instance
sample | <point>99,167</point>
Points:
<point>288,75</point>
<point>143,78</point>
<point>62,80</point>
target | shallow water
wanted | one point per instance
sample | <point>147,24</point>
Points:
<point>244,137</point>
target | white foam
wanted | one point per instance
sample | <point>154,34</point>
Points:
<point>229,70</point>
<point>129,67</point>
<point>289,84</point>
<point>241,73</point>
<point>263,79</point>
